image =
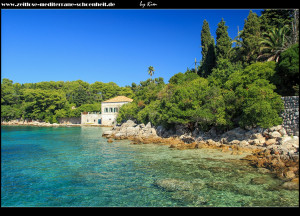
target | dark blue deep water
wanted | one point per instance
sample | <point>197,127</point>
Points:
<point>75,166</point>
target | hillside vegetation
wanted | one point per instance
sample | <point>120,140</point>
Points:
<point>238,83</point>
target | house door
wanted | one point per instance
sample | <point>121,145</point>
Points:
<point>99,121</point>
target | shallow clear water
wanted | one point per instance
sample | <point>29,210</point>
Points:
<point>75,166</point>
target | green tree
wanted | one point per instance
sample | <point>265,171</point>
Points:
<point>223,41</point>
<point>11,112</point>
<point>208,50</point>
<point>261,105</point>
<point>250,37</point>
<point>220,74</point>
<point>148,90</point>
<point>258,70</point>
<point>42,104</point>
<point>275,18</point>
<point>8,93</point>
<point>248,92</point>
<point>128,111</point>
<point>80,96</point>
<point>150,113</point>
<point>287,75</point>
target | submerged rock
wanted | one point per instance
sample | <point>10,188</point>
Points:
<point>259,180</point>
<point>188,198</point>
<point>275,148</point>
<point>170,184</point>
<point>291,185</point>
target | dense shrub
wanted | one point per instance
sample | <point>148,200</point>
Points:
<point>287,75</point>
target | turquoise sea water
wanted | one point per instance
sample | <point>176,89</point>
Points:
<point>75,166</point>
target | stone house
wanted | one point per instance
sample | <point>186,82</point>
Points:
<point>109,112</point>
<point>110,109</point>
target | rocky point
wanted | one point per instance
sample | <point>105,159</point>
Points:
<point>269,148</point>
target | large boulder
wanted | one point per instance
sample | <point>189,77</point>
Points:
<point>132,131</point>
<point>107,133</point>
<point>129,123</point>
<point>120,135</point>
<point>274,134</point>
<point>235,134</point>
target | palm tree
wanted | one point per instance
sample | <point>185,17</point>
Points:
<point>150,71</point>
<point>273,43</point>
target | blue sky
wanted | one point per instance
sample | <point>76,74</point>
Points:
<point>105,45</point>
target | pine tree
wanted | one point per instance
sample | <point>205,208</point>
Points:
<point>208,50</point>
<point>223,41</point>
<point>251,37</point>
<point>275,18</point>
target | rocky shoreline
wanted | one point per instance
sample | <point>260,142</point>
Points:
<point>36,123</point>
<point>42,124</point>
<point>268,148</point>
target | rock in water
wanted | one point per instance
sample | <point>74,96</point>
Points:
<point>170,184</point>
<point>291,185</point>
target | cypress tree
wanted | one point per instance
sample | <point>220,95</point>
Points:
<point>223,41</point>
<point>251,36</point>
<point>208,50</point>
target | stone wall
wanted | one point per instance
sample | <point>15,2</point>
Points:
<point>291,115</point>
<point>90,118</point>
<point>69,120</point>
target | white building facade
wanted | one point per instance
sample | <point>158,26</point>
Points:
<point>109,112</point>
<point>110,109</point>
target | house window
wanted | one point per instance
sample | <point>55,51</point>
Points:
<point>110,109</point>
<point>106,110</point>
<point>115,109</point>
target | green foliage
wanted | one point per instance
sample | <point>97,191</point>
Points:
<point>223,41</point>
<point>259,70</point>
<point>9,94</point>
<point>103,91</point>
<point>275,18</point>
<point>148,90</point>
<point>151,71</point>
<point>150,113</point>
<point>250,37</point>
<point>51,100</point>
<point>9,112</point>
<point>289,62</point>
<point>273,43</point>
<point>233,91</point>
<point>127,111</point>
<point>261,105</point>
<point>42,104</point>
<point>220,74</point>
<point>208,50</point>
<point>287,75</point>
<point>231,96</point>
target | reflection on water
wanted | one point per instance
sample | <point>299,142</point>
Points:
<point>77,167</point>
